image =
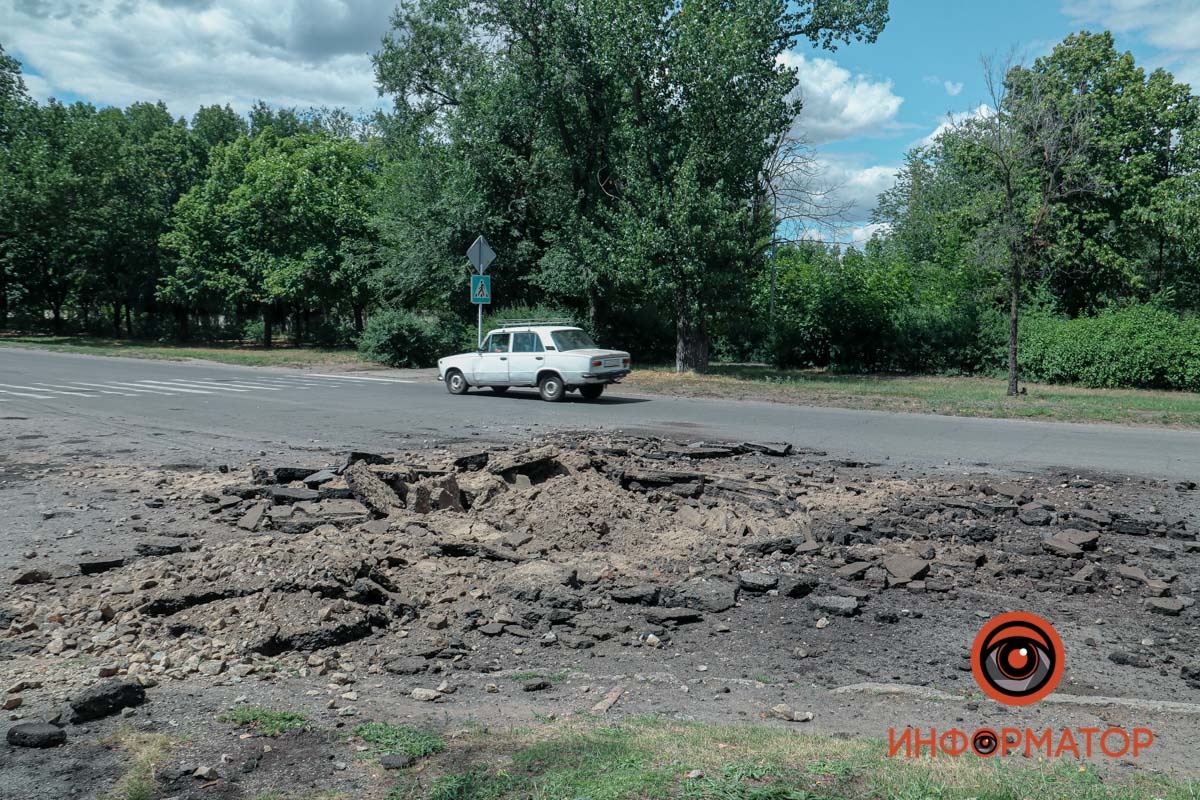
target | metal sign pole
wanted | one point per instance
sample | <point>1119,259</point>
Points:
<point>481,255</point>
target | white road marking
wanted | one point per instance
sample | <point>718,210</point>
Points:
<point>216,387</point>
<point>235,385</point>
<point>208,384</point>
<point>250,385</point>
<point>24,394</point>
<point>360,378</point>
<point>292,384</point>
<point>125,387</point>
<point>42,389</point>
<point>156,385</point>
<point>78,385</point>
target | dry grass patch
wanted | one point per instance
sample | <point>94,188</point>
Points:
<point>956,396</point>
<point>145,752</point>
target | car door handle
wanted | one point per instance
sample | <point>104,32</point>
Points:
<point>504,358</point>
<point>538,358</point>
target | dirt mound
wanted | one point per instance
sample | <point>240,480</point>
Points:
<point>454,560</point>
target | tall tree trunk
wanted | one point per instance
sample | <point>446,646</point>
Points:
<point>56,309</point>
<point>3,299</point>
<point>298,323</point>
<point>358,318</point>
<point>129,320</point>
<point>691,337</point>
<point>116,320</point>
<point>1014,312</point>
<point>268,319</point>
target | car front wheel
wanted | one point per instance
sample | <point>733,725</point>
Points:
<point>551,388</point>
<point>455,382</point>
<point>592,391</point>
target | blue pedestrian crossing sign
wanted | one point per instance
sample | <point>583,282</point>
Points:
<point>481,289</point>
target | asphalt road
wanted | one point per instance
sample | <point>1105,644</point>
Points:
<point>203,407</point>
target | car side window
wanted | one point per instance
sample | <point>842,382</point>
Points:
<point>499,343</point>
<point>527,343</point>
<point>487,344</point>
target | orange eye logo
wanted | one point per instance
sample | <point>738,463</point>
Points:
<point>1017,658</point>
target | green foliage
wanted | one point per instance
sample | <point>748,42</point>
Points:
<point>613,152</point>
<point>265,721</point>
<point>499,317</point>
<point>401,739</point>
<point>1137,347</point>
<point>404,339</point>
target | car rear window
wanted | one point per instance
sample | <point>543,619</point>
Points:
<point>572,340</point>
<point>527,342</point>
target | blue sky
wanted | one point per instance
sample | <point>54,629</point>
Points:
<point>866,105</point>
<point>926,66</point>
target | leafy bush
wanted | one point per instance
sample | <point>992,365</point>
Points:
<point>1136,347</point>
<point>253,331</point>
<point>404,339</point>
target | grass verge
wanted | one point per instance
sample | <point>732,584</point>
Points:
<point>145,752</point>
<point>282,356</point>
<point>264,721</point>
<point>653,759</point>
<point>955,396</point>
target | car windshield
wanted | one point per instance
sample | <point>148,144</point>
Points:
<point>572,340</point>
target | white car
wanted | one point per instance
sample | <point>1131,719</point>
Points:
<point>555,358</point>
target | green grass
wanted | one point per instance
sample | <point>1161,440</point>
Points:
<point>265,721</point>
<point>280,356</point>
<point>648,759</point>
<point>553,677</point>
<point>398,739</point>
<point>956,396</point>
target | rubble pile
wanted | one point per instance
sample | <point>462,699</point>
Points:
<point>455,559</point>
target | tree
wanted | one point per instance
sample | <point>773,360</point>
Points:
<point>1120,240</point>
<point>273,227</point>
<point>16,109</point>
<point>1032,146</point>
<point>611,149</point>
<point>216,125</point>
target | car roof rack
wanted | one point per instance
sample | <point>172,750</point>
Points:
<point>529,323</point>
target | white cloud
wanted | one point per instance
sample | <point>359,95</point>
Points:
<point>1170,25</point>
<point>954,118</point>
<point>952,88</point>
<point>856,186</point>
<point>194,52</point>
<point>837,103</point>
<point>862,234</point>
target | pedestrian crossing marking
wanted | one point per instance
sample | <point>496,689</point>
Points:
<point>163,386</point>
<point>41,389</point>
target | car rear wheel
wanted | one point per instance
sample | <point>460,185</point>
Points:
<point>499,389</point>
<point>455,382</point>
<point>551,388</point>
<point>592,391</point>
